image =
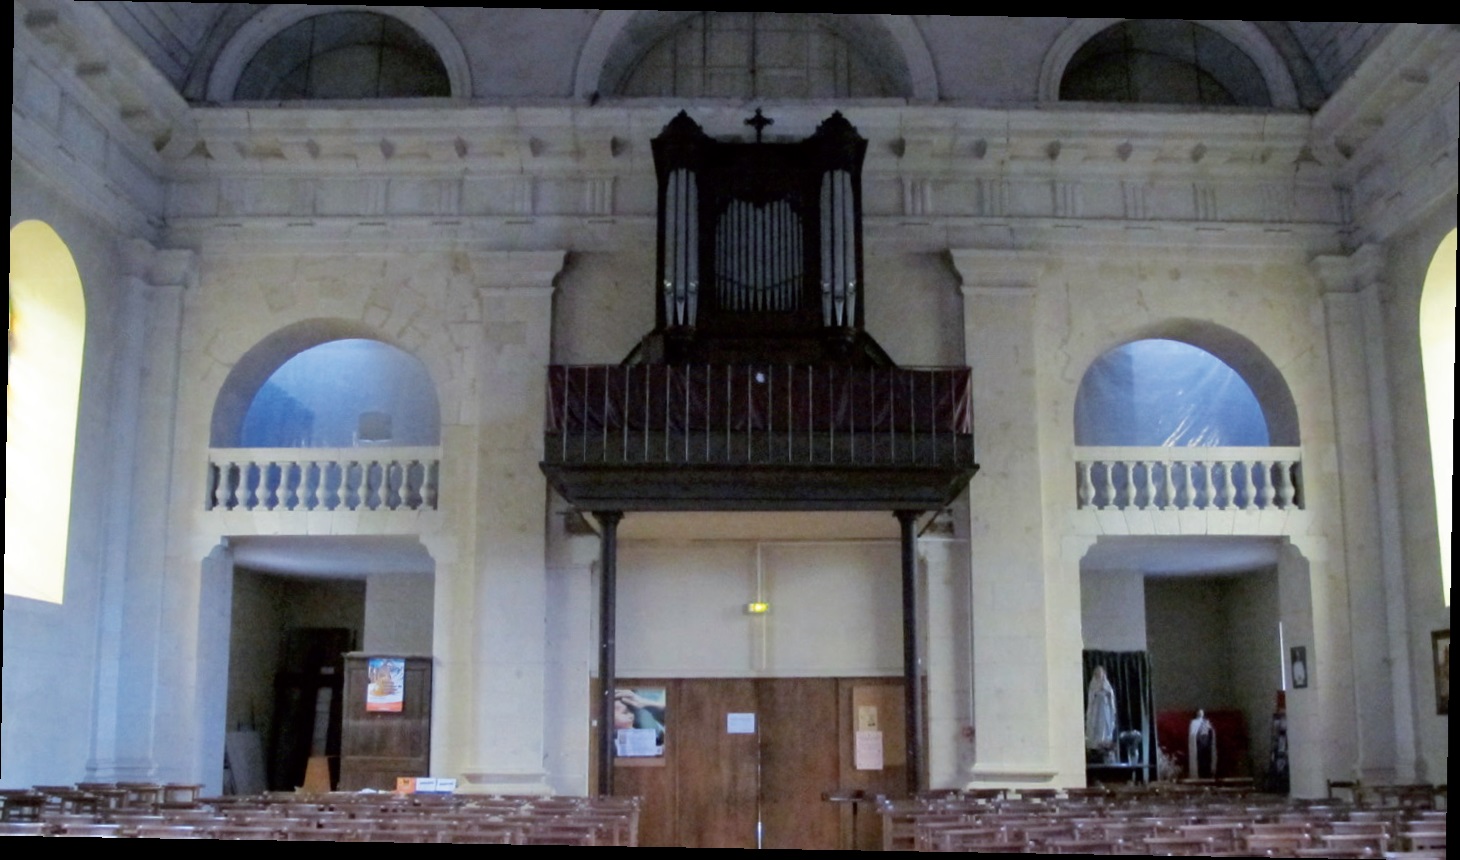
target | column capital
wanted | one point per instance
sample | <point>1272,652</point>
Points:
<point>1349,273</point>
<point>516,273</point>
<point>997,270</point>
<point>158,267</point>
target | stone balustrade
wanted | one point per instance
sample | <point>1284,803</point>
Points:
<point>1167,479</point>
<point>323,479</point>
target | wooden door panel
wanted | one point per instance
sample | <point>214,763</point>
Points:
<point>799,761</point>
<point>718,782</point>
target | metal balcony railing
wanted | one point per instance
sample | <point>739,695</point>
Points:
<point>759,415</point>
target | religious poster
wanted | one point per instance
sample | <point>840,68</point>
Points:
<point>638,722</point>
<point>386,690</point>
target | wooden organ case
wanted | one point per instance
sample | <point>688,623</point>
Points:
<point>759,249</point>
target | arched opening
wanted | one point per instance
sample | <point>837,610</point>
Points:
<point>1195,420</point>
<point>1163,61</point>
<point>1158,392</point>
<point>325,384</point>
<point>344,393</point>
<point>47,333</point>
<point>1204,616</point>
<point>755,55</point>
<point>321,383</point>
<point>344,54</point>
<point>298,603</point>
<point>1437,349</point>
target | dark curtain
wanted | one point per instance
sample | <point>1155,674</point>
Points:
<point>1130,675</point>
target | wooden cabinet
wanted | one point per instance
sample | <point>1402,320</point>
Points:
<point>376,746</point>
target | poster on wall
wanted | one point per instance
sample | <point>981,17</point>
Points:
<point>1298,659</point>
<point>638,722</point>
<point>386,690</point>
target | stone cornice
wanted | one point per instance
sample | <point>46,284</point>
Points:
<point>614,140</point>
<point>128,90</point>
<point>1390,132</point>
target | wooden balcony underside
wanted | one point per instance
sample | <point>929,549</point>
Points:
<point>721,487</point>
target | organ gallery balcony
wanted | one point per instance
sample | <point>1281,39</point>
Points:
<point>758,436</point>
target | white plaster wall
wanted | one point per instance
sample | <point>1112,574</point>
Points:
<point>1113,610</point>
<point>1250,606</point>
<point>835,609</point>
<point>1407,260</point>
<point>1191,659</point>
<point>51,728</point>
<point>398,613</point>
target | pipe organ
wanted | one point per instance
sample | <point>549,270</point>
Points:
<point>759,248</point>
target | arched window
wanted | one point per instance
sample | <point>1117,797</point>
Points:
<point>344,55</point>
<point>1437,349</point>
<point>1166,393</point>
<point>43,388</point>
<point>344,393</point>
<point>764,55</point>
<point>1154,61</point>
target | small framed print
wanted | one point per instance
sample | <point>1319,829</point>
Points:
<point>1440,642</point>
<point>1298,655</point>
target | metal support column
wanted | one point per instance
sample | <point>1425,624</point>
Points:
<point>607,606</point>
<point>912,674</point>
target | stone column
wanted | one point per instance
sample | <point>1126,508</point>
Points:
<point>131,687</point>
<point>1364,430</point>
<point>1017,723</point>
<point>491,603</point>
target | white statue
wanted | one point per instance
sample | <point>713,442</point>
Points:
<point>1201,748</point>
<point>1100,713</point>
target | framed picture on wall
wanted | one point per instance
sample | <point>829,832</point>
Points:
<point>1299,662</point>
<point>1440,641</point>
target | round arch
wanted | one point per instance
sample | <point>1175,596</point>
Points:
<point>229,66</point>
<point>254,367</point>
<point>612,27</point>
<point>47,339</point>
<point>1244,34</point>
<point>1240,354</point>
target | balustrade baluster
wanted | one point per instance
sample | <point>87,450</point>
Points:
<point>375,480</point>
<point>1264,474</point>
<point>1129,495</point>
<point>215,491</point>
<point>1202,496</point>
<point>1108,497</point>
<point>294,472</point>
<point>1250,502</point>
<point>1087,487</point>
<point>1150,504</point>
<point>234,478</point>
<point>309,489</point>
<point>351,495</point>
<point>1170,481</point>
<point>276,485</point>
<point>255,487</point>
<point>1287,488</point>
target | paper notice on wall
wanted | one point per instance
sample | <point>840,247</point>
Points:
<point>868,752</point>
<point>636,743</point>
<point>740,724</point>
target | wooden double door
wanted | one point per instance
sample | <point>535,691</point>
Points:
<point>718,785</point>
